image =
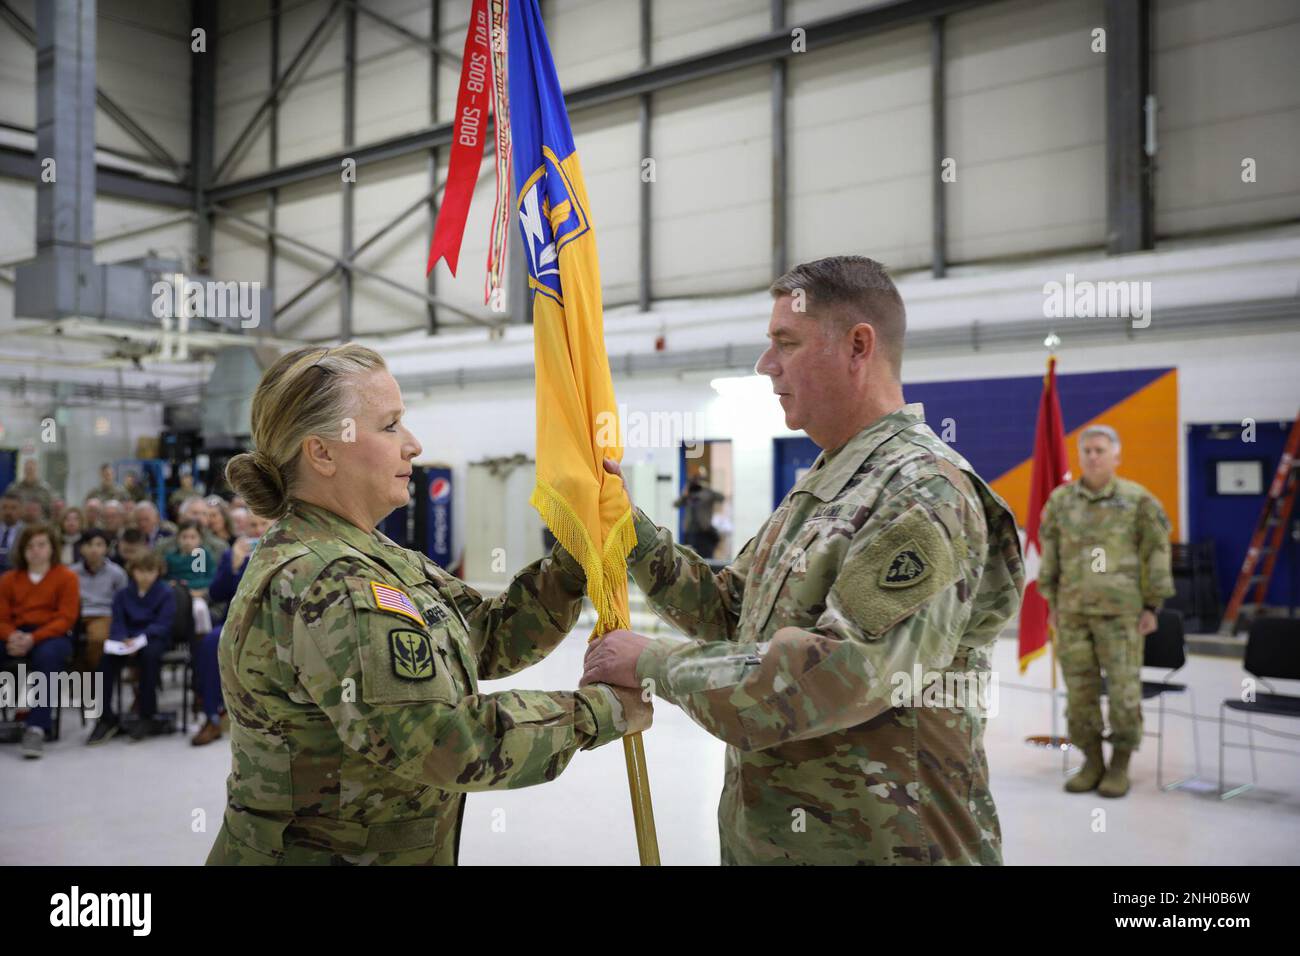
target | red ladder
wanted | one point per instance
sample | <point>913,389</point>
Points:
<point>1271,525</point>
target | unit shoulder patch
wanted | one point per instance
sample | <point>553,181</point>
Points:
<point>412,653</point>
<point>900,569</point>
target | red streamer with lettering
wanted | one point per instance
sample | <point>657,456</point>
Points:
<point>468,133</point>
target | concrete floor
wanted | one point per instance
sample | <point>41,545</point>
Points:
<point>160,801</point>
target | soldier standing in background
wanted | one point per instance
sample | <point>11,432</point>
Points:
<point>1104,574</point>
<point>30,488</point>
<point>107,489</point>
<point>889,559</point>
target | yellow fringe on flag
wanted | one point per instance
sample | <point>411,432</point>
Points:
<point>603,569</point>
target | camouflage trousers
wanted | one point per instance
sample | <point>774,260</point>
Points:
<point>249,840</point>
<point>1088,645</point>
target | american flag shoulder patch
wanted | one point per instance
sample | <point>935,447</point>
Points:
<point>388,598</point>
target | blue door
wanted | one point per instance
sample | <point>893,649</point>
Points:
<point>8,467</point>
<point>791,457</point>
<point>1229,519</point>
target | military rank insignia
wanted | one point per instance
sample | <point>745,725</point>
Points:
<point>905,568</point>
<point>395,599</point>
<point>412,653</point>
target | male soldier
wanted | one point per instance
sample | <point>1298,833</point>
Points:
<point>1105,572</point>
<point>107,488</point>
<point>890,558</point>
<point>30,488</point>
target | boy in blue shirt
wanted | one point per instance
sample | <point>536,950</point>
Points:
<point>147,606</point>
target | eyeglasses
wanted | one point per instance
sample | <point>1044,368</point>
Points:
<point>322,356</point>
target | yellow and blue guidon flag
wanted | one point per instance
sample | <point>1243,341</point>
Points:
<point>584,506</point>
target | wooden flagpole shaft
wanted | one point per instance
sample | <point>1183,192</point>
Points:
<point>643,814</point>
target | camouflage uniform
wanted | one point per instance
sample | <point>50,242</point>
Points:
<point>1105,557</point>
<point>888,557</point>
<point>357,724</point>
<point>107,491</point>
<point>33,491</point>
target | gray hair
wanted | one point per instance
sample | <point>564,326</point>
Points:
<point>1103,430</point>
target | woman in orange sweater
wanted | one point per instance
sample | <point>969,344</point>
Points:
<point>39,601</point>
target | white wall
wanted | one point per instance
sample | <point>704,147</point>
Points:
<point>1026,126</point>
<point>859,150</point>
<point>1228,83</point>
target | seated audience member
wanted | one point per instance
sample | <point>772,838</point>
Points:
<point>39,598</point>
<point>100,581</point>
<point>207,676</point>
<point>239,521</point>
<point>145,607</point>
<point>11,526</point>
<point>112,518</point>
<point>205,514</point>
<point>32,511</point>
<point>71,525</point>
<point>219,520</point>
<point>195,509</point>
<point>131,545</point>
<point>150,525</point>
<point>193,564</point>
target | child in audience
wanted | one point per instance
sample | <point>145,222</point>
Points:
<point>100,580</point>
<point>131,545</point>
<point>193,565</point>
<point>146,607</point>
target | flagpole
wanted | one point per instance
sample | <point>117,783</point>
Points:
<point>643,813</point>
<point>1054,740</point>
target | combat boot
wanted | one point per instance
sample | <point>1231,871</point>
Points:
<point>1090,775</point>
<point>1115,783</point>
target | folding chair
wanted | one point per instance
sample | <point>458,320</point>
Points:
<point>1272,651</point>
<point>1166,649</point>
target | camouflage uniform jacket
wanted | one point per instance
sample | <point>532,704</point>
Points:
<point>107,492</point>
<point>33,491</point>
<point>889,560</point>
<point>350,669</point>
<point>1104,552</point>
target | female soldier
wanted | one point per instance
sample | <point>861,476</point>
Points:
<point>350,665</point>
